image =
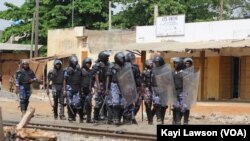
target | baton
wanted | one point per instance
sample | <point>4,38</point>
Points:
<point>50,102</point>
<point>70,108</point>
<point>103,105</point>
<point>142,108</point>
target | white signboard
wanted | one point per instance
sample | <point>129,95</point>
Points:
<point>170,25</point>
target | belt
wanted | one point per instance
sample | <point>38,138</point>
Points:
<point>57,83</point>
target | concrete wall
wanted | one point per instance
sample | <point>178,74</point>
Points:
<point>83,42</point>
<point>66,41</point>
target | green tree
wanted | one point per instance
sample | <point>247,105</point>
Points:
<point>201,10</point>
<point>93,14</point>
<point>141,12</point>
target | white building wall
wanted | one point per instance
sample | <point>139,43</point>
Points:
<point>201,31</point>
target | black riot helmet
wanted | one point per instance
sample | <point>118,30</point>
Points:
<point>119,58</point>
<point>57,62</point>
<point>158,61</point>
<point>149,64</point>
<point>104,56</point>
<point>130,57</point>
<point>178,63</point>
<point>73,61</point>
<point>87,60</point>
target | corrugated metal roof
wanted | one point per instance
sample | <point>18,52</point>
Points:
<point>23,47</point>
<point>183,46</point>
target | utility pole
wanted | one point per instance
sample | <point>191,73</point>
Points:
<point>36,28</point>
<point>32,35</point>
<point>155,13</point>
<point>73,12</point>
<point>110,12</point>
<point>221,9</point>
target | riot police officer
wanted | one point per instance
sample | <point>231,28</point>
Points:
<point>147,78</point>
<point>131,110</point>
<point>72,88</point>
<point>178,96</point>
<point>158,109</point>
<point>23,85</point>
<point>188,76</point>
<point>112,87</point>
<point>56,75</point>
<point>87,87</point>
<point>99,71</point>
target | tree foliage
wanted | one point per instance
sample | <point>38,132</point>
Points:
<point>93,14</point>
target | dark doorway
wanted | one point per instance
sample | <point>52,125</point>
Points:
<point>236,77</point>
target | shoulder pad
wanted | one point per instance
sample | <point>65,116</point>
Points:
<point>96,66</point>
<point>111,65</point>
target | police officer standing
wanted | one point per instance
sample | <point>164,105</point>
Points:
<point>72,88</point>
<point>188,73</point>
<point>56,75</point>
<point>113,88</point>
<point>147,78</point>
<point>158,109</point>
<point>131,110</point>
<point>25,77</point>
<point>87,87</point>
<point>178,96</point>
<point>100,70</point>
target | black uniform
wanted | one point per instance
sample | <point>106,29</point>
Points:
<point>72,76</point>
<point>87,88</point>
<point>131,110</point>
<point>56,75</point>
<point>100,71</point>
<point>158,109</point>
<point>178,81</point>
<point>23,81</point>
<point>147,77</point>
<point>115,96</point>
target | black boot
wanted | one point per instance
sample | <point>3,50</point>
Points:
<point>178,116</point>
<point>80,112</point>
<point>26,105</point>
<point>186,117</point>
<point>55,112</point>
<point>110,115</point>
<point>157,108</point>
<point>116,115</point>
<point>174,122</point>
<point>88,110</point>
<point>70,114</point>
<point>163,111</point>
<point>149,113</point>
<point>96,114</point>
<point>55,108</point>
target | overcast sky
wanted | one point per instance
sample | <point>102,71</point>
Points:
<point>4,23</point>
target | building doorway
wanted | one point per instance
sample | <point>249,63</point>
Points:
<point>235,77</point>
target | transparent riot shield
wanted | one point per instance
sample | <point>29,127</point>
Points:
<point>190,86</point>
<point>127,84</point>
<point>164,84</point>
